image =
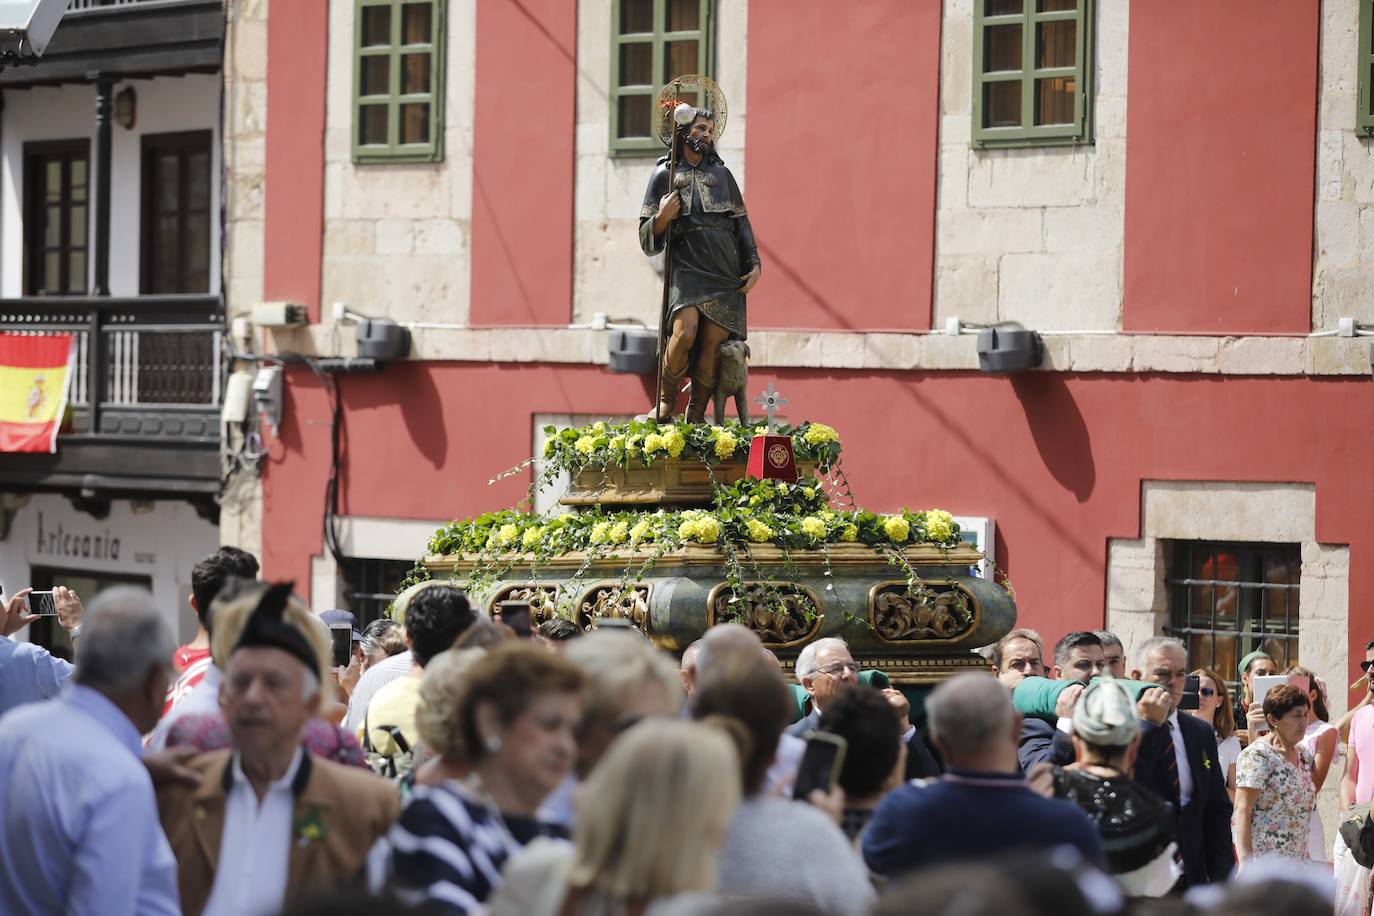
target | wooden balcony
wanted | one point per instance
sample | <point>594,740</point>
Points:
<point>145,397</point>
<point>122,39</point>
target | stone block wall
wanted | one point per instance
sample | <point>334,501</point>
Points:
<point>245,150</point>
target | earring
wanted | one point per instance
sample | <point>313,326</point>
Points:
<point>493,743</point>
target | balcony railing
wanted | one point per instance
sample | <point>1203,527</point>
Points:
<point>87,6</point>
<point>148,366</point>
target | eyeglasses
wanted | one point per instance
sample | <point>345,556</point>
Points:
<point>1365,666</point>
<point>1207,692</point>
<point>835,669</point>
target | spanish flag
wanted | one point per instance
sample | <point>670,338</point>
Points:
<point>35,373</point>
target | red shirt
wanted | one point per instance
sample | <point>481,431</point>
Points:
<point>191,664</point>
<point>185,656</point>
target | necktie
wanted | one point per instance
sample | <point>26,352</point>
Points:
<point>1171,765</point>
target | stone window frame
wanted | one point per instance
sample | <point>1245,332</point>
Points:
<point>659,37</point>
<point>394,150</point>
<point>1252,587</point>
<point>1364,65</point>
<point>1027,133</point>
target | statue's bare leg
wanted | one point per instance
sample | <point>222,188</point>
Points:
<point>676,356</point>
<point>707,371</point>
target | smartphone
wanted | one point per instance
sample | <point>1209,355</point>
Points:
<point>1192,696</point>
<point>341,641</point>
<point>42,604</point>
<point>820,763</point>
<point>517,616</point>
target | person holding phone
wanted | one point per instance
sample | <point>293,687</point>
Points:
<point>1214,706</point>
<point>29,673</point>
<point>875,757</point>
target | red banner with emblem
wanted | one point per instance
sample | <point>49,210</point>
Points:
<point>35,375</point>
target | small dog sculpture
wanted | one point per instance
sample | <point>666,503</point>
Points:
<point>734,380</point>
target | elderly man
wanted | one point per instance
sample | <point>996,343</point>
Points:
<point>269,821</point>
<point>981,806</point>
<point>78,810</point>
<point>1178,762</point>
<point>1113,651</point>
<point>1078,656</point>
<point>826,665</point>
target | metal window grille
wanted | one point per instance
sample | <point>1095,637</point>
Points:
<point>370,586</point>
<point>1227,599</point>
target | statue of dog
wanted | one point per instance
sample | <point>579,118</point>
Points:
<point>733,381</point>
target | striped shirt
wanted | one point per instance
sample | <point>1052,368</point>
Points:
<point>449,849</point>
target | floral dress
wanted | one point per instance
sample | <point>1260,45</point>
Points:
<point>1286,799</point>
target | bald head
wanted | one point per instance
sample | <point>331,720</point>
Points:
<point>971,717</point>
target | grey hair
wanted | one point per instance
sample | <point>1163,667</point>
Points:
<point>806,661</point>
<point>1154,644</point>
<point>969,713</point>
<point>1108,638</point>
<point>123,640</point>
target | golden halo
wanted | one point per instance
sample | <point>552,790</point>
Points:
<point>707,95</point>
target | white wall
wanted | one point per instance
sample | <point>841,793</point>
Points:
<point>162,540</point>
<point>165,105</point>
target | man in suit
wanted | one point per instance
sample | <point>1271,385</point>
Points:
<point>269,821</point>
<point>1078,656</point>
<point>1178,762</point>
<point>826,665</point>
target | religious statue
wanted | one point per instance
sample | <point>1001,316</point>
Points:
<point>693,211</point>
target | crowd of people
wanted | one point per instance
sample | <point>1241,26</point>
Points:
<point>456,764</point>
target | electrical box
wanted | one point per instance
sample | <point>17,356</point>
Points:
<point>633,350</point>
<point>279,314</point>
<point>267,395</point>
<point>1009,348</point>
<point>382,338</point>
<point>238,394</point>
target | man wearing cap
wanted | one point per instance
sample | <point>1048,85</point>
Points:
<point>270,821</point>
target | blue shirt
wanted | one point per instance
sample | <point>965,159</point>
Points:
<point>968,815</point>
<point>28,673</point>
<point>78,814</point>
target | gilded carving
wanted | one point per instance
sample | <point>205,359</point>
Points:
<point>782,615</point>
<point>924,611</point>
<point>543,599</point>
<point>612,600</point>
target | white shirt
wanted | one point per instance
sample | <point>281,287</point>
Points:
<point>1185,772</point>
<point>255,848</point>
<point>202,700</point>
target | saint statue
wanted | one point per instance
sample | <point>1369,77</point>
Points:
<point>712,260</point>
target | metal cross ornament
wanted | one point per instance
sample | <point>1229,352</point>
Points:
<point>771,402</point>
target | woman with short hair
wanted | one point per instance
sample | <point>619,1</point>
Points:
<point>1214,706</point>
<point>1275,795</point>
<point>650,823</point>
<point>1322,743</point>
<point>515,720</point>
<point>875,755</point>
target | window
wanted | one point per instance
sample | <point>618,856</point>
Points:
<point>1032,72</point>
<point>176,213</point>
<point>57,214</point>
<point>370,586</point>
<point>398,81</point>
<point>1364,114</point>
<point>653,41</point>
<point>1228,599</point>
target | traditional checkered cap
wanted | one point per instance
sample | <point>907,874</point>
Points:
<point>1105,714</point>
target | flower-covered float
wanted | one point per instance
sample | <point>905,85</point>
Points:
<point>660,526</point>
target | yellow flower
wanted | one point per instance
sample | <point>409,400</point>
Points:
<point>674,443</point>
<point>726,444</point>
<point>896,528</point>
<point>632,445</point>
<point>939,525</point>
<point>849,533</point>
<point>585,444</point>
<point>758,532</point>
<point>704,529</point>
<point>653,442</point>
<point>813,527</point>
<point>617,441</point>
<point>642,531</point>
<point>819,434</point>
<point>601,531</point>
<point>504,536</point>
<point>598,427</point>
<point>808,492</point>
<point>548,447</point>
<point>531,537</point>
<point>782,487</point>
<point>827,515</point>
<point>618,533</point>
